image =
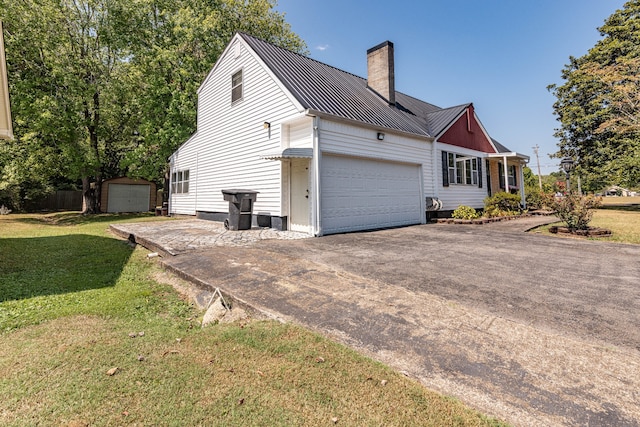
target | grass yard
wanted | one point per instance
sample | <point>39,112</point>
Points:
<point>622,220</point>
<point>618,201</point>
<point>88,337</point>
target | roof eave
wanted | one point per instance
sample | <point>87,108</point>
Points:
<point>511,154</point>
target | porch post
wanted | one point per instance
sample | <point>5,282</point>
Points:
<point>505,174</point>
<point>523,196</point>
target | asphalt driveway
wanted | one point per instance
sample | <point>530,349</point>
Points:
<point>536,330</point>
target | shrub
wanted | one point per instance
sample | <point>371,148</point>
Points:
<point>502,204</point>
<point>465,212</point>
<point>538,199</point>
<point>576,211</point>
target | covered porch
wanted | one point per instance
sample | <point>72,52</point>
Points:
<point>505,172</point>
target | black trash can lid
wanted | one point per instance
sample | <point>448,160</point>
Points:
<point>238,191</point>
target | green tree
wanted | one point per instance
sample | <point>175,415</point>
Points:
<point>65,62</point>
<point>102,88</point>
<point>598,106</point>
<point>178,44</point>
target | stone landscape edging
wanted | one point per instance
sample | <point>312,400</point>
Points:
<point>481,221</point>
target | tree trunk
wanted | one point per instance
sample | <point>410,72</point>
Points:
<point>91,192</point>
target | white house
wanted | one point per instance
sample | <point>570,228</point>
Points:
<point>328,151</point>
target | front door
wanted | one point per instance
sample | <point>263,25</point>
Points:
<point>299,203</point>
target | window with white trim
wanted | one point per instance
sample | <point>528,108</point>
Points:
<point>180,182</point>
<point>511,177</point>
<point>236,87</point>
<point>462,169</point>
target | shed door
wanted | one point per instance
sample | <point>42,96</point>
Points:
<point>128,198</point>
<point>364,194</point>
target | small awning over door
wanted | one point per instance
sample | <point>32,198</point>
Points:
<point>289,153</point>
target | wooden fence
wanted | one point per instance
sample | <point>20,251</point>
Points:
<point>61,200</point>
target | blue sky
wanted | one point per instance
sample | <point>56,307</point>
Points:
<point>499,54</point>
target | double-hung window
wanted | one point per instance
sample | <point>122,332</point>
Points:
<point>461,169</point>
<point>236,87</point>
<point>511,177</point>
<point>180,182</point>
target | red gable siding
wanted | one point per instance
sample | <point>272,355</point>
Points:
<point>466,132</point>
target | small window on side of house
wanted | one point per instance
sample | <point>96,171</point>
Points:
<point>180,182</point>
<point>236,87</point>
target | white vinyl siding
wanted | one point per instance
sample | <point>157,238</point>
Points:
<point>464,187</point>
<point>236,87</point>
<point>225,152</point>
<point>350,140</point>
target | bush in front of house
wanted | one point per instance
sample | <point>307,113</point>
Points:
<point>576,211</point>
<point>538,199</point>
<point>502,204</point>
<point>465,212</point>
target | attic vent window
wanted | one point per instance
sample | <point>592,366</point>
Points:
<point>236,87</point>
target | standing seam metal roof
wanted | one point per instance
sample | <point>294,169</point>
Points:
<point>326,89</point>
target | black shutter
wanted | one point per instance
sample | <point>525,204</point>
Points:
<point>479,161</point>
<point>445,169</point>
<point>487,166</point>
<point>515,179</point>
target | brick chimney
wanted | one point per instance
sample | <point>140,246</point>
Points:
<point>381,77</point>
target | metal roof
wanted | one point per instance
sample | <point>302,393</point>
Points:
<point>289,153</point>
<point>329,90</point>
<point>501,148</point>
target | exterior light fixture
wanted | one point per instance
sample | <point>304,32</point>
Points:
<point>567,166</point>
<point>266,125</point>
<point>380,136</point>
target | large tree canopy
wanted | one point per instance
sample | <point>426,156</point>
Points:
<point>102,88</point>
<point>598,106</point>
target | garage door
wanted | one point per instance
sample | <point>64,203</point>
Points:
<point>364,194</point>
<point>128,198</point>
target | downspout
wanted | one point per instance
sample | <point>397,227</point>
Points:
<point>195,202</point>
<point>316,211</point>
<point>170,193</point>
<point>434,167</point>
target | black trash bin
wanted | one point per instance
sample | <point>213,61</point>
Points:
<point>240,208</point>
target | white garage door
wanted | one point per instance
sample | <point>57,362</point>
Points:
<point>364,194</point>
<point>128,198</point>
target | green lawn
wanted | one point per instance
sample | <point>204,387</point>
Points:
<point>623,221</point>
<point>77,303</point>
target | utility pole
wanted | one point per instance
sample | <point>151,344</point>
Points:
<point>535,150</point>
